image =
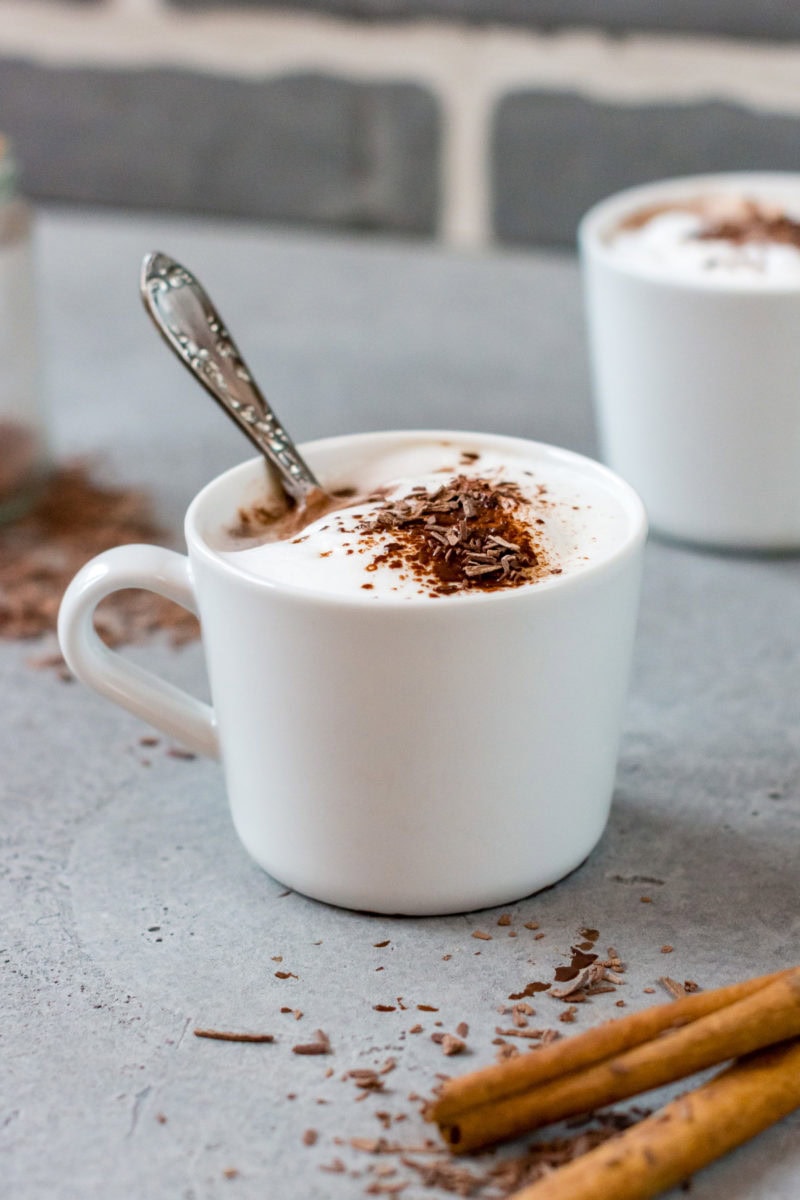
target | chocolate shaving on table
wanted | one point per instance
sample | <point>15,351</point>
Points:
<point>222,1035</point>
<point>320,1045</point>
<point>585,977</point>
<point>75,518</point>
<point>675,989</point>
<point>468,535</point>
<point>452,1045</point>
<point>366,1078</point>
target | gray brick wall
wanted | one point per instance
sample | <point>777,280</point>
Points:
<point>554,155</point>
<point>737,18</point>
<point>307,148</point>
<point>360,144</point>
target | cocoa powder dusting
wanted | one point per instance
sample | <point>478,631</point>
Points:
<point>74,519</point>
<point>754,225</point>
<point>737,220</point>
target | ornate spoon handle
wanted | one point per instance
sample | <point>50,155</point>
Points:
<point>190,324</point>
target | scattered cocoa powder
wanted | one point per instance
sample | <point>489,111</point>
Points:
<point>20,460</point>
<point>74,518</point>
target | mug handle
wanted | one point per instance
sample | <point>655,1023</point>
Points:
<point>141,692</point>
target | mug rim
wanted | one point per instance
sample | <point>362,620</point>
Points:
<point>593,227</point>
<point>625,495</point>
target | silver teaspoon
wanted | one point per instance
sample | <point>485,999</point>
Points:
<point>190,324</point>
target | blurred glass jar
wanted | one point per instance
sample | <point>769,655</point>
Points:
<point>23,443</point>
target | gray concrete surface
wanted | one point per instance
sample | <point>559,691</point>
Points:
<point>130,915</point>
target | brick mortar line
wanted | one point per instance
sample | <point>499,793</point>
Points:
<point>467,68</point>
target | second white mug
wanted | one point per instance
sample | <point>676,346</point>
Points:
<point>697,372</point>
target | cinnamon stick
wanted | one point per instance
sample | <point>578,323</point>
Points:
<point>521,1074</point>
<point>767,1016</point>
<point>685,1135</point>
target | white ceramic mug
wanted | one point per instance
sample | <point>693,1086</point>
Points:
<point>402,756</point>
<point>697,382</point>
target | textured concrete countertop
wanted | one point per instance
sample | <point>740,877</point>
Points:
<point>130,914</point>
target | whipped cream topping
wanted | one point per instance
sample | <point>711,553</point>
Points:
<point>441,519</point>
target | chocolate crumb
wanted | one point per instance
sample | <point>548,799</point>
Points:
<point>452,1045</point>
<point>335,1167</point>
<point>675,989</point>
<point>310,1137</point>
<point>320,1045</point>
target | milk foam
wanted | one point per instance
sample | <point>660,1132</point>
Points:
<point>574,521</point>
<point>667,241</point>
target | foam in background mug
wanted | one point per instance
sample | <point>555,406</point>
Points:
<point>695,349</point>
<point>408,753</point>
